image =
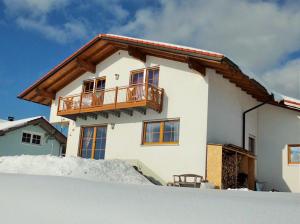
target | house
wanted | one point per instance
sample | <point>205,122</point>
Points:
<point>175,110</point>
<point>30,136</point>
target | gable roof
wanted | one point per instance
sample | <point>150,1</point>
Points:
<point>104,45</point>
<point>8,126</point>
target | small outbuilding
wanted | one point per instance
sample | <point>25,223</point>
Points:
<point>30,136</point>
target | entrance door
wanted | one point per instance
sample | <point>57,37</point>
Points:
<point>93,141</point>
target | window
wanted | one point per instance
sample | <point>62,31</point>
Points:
<point>251,144</point>
<point>36,139</point>
<point>152,76</point>
<point>294,154</point>
<point>30,138</point>
<point>26,137</point>
<point>90,86</point>
<point>100,84</point>
<point>137,77</point>
<point>92,143</point>
<point>161,132</point>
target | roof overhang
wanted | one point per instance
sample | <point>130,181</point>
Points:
<point>102,46</point>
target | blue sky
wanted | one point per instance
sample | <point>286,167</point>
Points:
<point>262,37</point>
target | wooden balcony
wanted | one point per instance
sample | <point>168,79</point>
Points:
<point>138,97</point>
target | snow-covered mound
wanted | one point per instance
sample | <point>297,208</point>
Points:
<point>48,199</point>
<point>117,171</point>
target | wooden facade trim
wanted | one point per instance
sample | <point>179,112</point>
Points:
<point>196,65</point>
<point>137,53</point>
<point>86,65</point>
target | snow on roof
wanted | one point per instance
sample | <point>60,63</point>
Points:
<point>17,123</point>
<point>163,44</point>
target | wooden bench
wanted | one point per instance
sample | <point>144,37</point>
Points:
<point>187,180</point>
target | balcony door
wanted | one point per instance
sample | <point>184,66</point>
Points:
<point>93,92</point>
<point>93,142</point>
<point>136,88</point>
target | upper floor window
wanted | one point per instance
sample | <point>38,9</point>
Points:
<point>90,86</point>
<point>30,138</point>
<point>161,132</point>
<point>136,77</point>
<point>152,76</point>
<point>294,154</point>
<point>251,144</point>
<point>26,137</point>
<point>36,139</point>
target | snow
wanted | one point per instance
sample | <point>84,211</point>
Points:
<point>49,199</point>
<point>97,170</point>
<point>17,123</point>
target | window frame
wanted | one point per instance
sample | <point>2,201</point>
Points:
<point>161,132</point>
<point>31,137</point>
<point>254,138</point>
<point>147,74</point>
<point>35,139</point>
<point>79,153</point>
<point>135,72</point>
<point>289,146</point>
<point>28,133</point>
<point>94,81</point>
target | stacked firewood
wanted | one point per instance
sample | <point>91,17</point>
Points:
<point>230,169</point>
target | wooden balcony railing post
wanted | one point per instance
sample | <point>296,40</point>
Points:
<point>59,99</point>
<point>80,102</point>
<point>161,100</point>
<point>116,96</point>
<point>146,89</point>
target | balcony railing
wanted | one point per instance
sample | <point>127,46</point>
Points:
<point>126,97</point>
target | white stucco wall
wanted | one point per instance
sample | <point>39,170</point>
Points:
<point>277,128</point>
<point>186,95</point>
<point>226,104</point>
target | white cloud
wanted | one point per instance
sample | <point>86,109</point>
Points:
<point>257,35</point>
<point>34,15</point>
<point>71,30</point>
<point>33,7</point>
<point>286,78</point>
<point>113,7</point>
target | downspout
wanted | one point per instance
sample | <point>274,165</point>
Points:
<point>244,119</point>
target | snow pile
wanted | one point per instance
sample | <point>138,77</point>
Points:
<point>48,200</point>
<point>99,170</point>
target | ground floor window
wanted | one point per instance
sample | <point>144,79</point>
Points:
<point>93,141</point>
<point>161,132</point>
<point>294,154</point>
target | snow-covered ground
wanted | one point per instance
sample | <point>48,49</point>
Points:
<point>50,199</point>
<point>116,171</point>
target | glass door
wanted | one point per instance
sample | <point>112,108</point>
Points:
<point>93,142</point>
<point>136,91</point>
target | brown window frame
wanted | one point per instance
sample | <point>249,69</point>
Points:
<point>289,154</point>
<point>147,74</point>
<point>134,72</point>
<point>161,132</point>
<point>94,81</point>
<point>93,138</point>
